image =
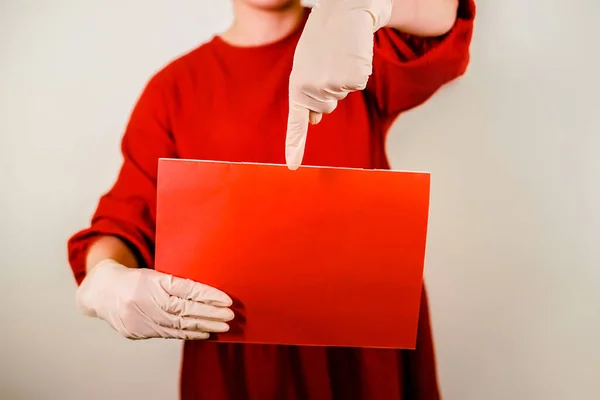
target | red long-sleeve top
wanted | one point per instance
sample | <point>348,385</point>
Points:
<point>221,102</point>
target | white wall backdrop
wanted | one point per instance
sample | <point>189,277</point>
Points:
<point>513,262</point>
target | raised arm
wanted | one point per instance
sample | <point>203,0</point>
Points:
<point>411,47</point>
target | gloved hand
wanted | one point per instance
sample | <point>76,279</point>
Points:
<point>143,303</point>
<point>333,57</point>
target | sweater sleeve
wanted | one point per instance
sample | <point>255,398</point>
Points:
<point>407,70</point>
<point>128,209</point>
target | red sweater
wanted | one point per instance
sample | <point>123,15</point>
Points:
<point>221,102</point>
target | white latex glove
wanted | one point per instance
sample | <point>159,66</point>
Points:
<point>143,303</point>
<point>334,57</point>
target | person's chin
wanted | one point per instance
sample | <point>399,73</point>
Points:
<point>272,4</point>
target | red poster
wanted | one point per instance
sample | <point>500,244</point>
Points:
<point>316,256</point>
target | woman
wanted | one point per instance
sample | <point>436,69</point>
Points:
<point>231,99</point>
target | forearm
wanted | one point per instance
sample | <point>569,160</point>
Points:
<point>110,247</point>
<point>423,17</point>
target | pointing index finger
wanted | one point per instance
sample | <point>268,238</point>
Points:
<point>295,139</point>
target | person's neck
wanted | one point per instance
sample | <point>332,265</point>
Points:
<point>255,27</point>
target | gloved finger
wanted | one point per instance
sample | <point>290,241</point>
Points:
<point>338,91</point>
<point>202,325</point>
<point>295,139</point>
<point>166,320</point>
<point>172,333</point>
<point>324,103</point>
<point>189,308</point>
<point>189,290</point>
<point>357,84</point>
<point>325,107</point>
<point>315,117</point>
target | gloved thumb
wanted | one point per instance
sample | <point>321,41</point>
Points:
<point>295,139</point>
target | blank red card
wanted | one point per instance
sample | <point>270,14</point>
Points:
<point>316,256</point>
